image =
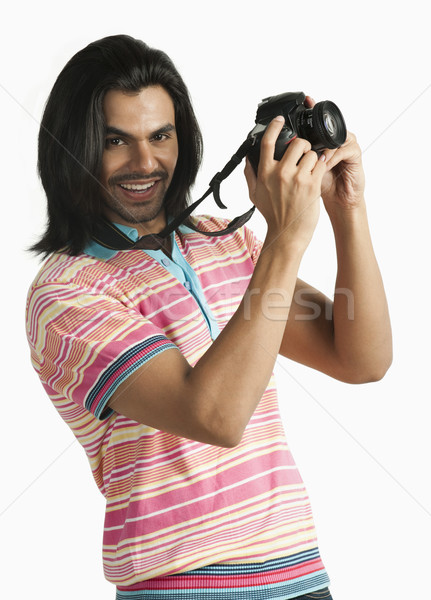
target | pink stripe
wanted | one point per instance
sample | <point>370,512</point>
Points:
<point>194,582</point>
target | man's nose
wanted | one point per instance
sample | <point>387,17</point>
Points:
<point>143,159</point>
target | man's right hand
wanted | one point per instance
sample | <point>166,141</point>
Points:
<point>287,192</point>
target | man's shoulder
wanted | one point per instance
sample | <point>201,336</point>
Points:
<point>212,224</point>
<point>207,222</point>
<point>62,267</point>
<point>242,238</point>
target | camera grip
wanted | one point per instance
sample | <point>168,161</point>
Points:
<point>285,137</point>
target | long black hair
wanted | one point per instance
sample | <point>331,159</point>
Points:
<point>72,135</point>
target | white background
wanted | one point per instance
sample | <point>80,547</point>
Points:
<point>362,450</point>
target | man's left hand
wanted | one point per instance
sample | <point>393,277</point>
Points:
<point>343,185</point>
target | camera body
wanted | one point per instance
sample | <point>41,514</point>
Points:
<point>323,125</point>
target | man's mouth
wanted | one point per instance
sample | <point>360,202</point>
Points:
<point>137,187</point>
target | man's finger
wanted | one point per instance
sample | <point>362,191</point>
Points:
<point>269,138</point>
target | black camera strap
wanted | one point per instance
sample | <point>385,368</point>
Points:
<point>108,235</point>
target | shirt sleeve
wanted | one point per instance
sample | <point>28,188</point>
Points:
<point>85,345</point>
<point>253,244</point>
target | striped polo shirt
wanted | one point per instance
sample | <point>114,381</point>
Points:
<point>183,519</point>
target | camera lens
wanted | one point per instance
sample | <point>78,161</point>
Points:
<point>323,126</point>
<point>330,124</point>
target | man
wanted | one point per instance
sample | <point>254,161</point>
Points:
<point>160,357</point>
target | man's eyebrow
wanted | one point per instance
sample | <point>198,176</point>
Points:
<point>115,131</point>
<point>165,129</point>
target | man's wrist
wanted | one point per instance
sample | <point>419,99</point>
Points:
<point>351,229</point>
<point>284,246</point>
<point>347,215</point>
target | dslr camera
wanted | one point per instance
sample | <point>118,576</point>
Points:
<point>323,125</point>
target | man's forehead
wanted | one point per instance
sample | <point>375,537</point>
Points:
<point>152,104</point>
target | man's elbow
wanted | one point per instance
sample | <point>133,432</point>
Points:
<point>221,438</point>
<point>367,373</point>
<point>223,428</point>
<point>230,441</point>
<point>380,372</point>
<point>225,435</point>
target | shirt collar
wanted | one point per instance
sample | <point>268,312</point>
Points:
<point>97,251</point>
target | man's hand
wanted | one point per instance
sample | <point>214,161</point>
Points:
<point>287,192</point>
<point>343,184</point>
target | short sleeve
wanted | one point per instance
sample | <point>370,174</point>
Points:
<point>85,345</point>
<point>254,244</point>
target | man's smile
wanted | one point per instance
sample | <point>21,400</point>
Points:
<point>137,187</point>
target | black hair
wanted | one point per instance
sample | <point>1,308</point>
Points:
<point>72,135</point>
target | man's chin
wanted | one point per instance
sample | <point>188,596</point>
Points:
<point>154,221</point>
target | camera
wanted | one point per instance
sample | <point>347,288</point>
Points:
<point>323,125</point>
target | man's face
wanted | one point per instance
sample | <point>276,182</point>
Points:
<point>141,151</point>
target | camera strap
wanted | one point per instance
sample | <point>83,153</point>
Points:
<point>108,235</point>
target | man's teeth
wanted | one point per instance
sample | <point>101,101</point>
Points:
<point>137,187</point>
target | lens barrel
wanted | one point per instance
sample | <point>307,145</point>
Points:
<point>323,125</point>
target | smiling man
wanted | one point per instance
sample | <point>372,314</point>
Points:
<point>159,356</point>
<point>140,155</point>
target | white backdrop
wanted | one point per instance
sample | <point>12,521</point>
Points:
<point>362,450</point>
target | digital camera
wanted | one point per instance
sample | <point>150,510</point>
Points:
<point>323,125</point>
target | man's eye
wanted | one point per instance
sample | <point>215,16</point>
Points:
<point>114,142</point>
<point>159,137</point>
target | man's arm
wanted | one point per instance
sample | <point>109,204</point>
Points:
<point>213,401</point>
<point>349,339</point>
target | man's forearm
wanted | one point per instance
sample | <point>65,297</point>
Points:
<point>235,370</point>
<point>362,330</point>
